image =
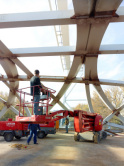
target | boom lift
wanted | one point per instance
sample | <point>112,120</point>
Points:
<point>83,121</point>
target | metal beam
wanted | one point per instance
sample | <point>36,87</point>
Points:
<point>82,8</point>
<point>76,65</point>
<point>43,51</point>
<point>36,19</point>
<point>32,19</point>
<point>111,49</point>
<point>53,51</point>
<point>22,67</point>
<point>62,5</point>
<point>104,97</point>
<point>107,5</point>
<point>6,107</point>
<point>64,79</point>
<point>89,98</point>
<point>115,125</point>
<point>63,50</point>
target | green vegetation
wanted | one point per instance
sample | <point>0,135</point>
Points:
<point>115,96</point>
<point>9,113</point>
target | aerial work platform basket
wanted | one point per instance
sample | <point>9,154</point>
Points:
<point>26,101</point>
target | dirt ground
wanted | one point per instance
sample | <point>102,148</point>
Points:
<point>61,150</point>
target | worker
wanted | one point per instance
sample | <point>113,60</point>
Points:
<point>33,132</point>
<point>36,88</point>
<point>66,124</point>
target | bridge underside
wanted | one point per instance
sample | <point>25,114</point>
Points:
<point>91,17</point>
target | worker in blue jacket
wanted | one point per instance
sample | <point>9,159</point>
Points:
<point>33,132</point>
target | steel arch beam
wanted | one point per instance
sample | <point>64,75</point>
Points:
<point>104,98</point>
<point>83,8</point>
<point>76,65</point>
<point>11,70</point>
<point>62,5</point>
<point>89,98</point>
<point>6,107</point>
<point>89,27</point>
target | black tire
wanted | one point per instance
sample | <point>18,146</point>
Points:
<point>17,137</point>
<point>46,135</point>
<point>77,137</point>
<point>8,137</point>
<point>104,135</point>
<point>41,134</point>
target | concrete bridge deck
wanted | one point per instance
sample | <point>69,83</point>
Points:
<point>61,150</point>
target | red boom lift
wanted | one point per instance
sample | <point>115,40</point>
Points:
<point>10,129</point>
<point>83,121</point>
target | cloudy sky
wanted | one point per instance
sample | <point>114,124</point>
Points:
<point>113,65</point>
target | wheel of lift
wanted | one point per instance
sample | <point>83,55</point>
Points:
<point>96,137</point>
<point>41,134</point>
<point>76,137</point>
<point>8,137</point>
<point>104,135</point>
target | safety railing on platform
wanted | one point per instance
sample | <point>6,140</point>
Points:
<point>44,99</point>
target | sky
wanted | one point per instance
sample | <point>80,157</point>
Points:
<point>113,65</point>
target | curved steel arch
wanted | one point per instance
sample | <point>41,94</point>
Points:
<point>92,18</point>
